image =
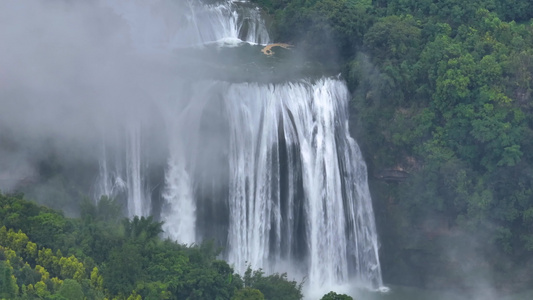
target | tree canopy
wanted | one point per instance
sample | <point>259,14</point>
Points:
<point>44,255</point>
<point>441,91</point>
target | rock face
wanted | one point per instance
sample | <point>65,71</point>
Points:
<point>267,50</point>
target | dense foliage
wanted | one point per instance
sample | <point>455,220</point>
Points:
<point>335,296</point>
<point>442,93</point>
<point>44,255</point>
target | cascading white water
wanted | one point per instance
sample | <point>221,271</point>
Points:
<point>163,26</point>
<point>182,123</point>
<point>138,193</point>
<point>227,22</point>
<point>267,123</point>
<point>126,180</point>
<point>180,209</point>
<point>109,182</point>
<point>289,189</point>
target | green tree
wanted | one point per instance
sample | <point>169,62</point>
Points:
<point>71,289</point>
<point>394,37</point>
<point>96,279</point>
<point>275,286</point>
<point>106,209</point>
<point>48,260</point>
<point>8,283</point>
<point>46,228</point>
<point>142,229</point>
<point>71,268</point>
<point>248,294</point>
<point>41,290</point>
<point>123,269</point>
<point>334,296</point>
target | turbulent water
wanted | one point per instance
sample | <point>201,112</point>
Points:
<point>175,24</point>
<point>268,170</point>
<point>298,184</point>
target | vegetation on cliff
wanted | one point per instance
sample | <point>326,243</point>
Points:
<point>442,92</point>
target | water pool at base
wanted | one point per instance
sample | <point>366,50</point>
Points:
<point>410,293</point>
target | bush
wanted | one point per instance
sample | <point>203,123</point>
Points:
<point>335,296</point>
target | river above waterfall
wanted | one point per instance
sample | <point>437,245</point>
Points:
<point>245,62</point>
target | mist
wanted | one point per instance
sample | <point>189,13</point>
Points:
<point>72,76</point>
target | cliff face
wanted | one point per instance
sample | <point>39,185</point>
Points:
<point>267,50</point>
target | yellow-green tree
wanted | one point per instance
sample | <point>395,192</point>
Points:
<point>72,268</point>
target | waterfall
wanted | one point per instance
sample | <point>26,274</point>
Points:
<point>298,185</point>
<point>127,180</point>
<point>163,25</point>
<point>268,170</point>
<point>138,191</point>
<point>110,182</point>
<point>180,209</point>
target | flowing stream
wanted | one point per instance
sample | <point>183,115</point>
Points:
<point>267,170</point>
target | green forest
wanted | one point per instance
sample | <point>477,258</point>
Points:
<point>442,109</point>
<point>44,255</point>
